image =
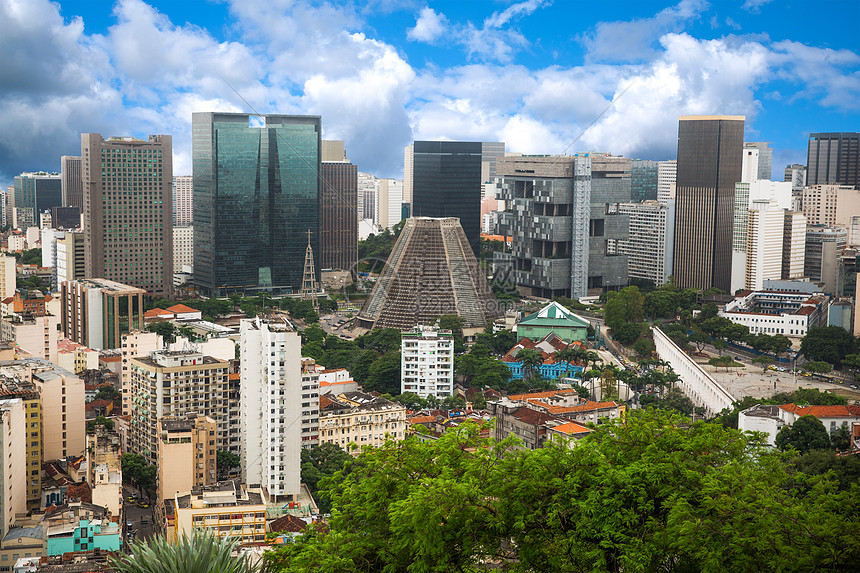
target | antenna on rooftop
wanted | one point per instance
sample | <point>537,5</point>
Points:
<point>309,280</point>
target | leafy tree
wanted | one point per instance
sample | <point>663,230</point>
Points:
<point>411,400</point>
<point>136,469</point>
<point>644,347</point>
<point>818,366</point>
<point>165,329</point>
<point>812,396</point>
<point>384,374</point>
<point>840,438</point>
<point>720,345</point>
<point>661,304</point>
<point>806,434</point>
<point>652,494</point>
<point>226,461</point>
<point>107,392</point>
<point>846,469</point>
<point>852,363</point>
<point>700,339</point>
<point>327,305</point>
<point>320,462</point>
<point>764,361</point>
<point>623,307</point>
<point>203,553</point>
<point>628,332</point>
<point>99,421</point>
<point>381,340</point>
<point>723,361</point>
<point>828,343</point>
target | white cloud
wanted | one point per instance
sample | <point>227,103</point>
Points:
<point>429,26</point>
<point>754,6</point>
<point>499,19</point>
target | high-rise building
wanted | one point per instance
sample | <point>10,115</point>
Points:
<point>608,227</point>
<point>133,344</point>
<point>796,174</point>
<point>765,158</point>
<point>368,192</point>
<point>256,195</point>
<point>183,200</point>
<point>793,245</point>
<point>272,402</point>
<point>833,158</point>
<point>431,271</point>
<point>338,205</point>
<point>26,391</point>
<point>649,246</point>
<point>128,220</point>
<point>169,383</point>
<point>72,182</point>
<point>183,248</point>
<point>709,165</point>
<point>8,269</point>
<point>13,474</point>
<point>764,243</point>
<point>390,202</point>
<point>831,205</point>
<point>427,362</point>
<point>408,165</point>
<point>446,182</point>
<point>70,258</point>
<point>824,245</point>
<point>186,454</point>
<point>97,312</point>
<point>36,193</point>
<point>66,217</point>
<point>491,152</point>
<point>643,180</point>
<point>666,174</point>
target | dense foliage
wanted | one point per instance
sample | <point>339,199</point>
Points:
<point>830,344</point>
<point>656,494</point>
<point>319,462</point>
<point>138,471</point>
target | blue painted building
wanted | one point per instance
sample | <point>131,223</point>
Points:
<point>86,536</point>
<point>550,368</point>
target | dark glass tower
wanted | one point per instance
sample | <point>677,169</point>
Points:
<point>643,180</point>
<point>710,157</point>
<point>833,158</point>
<point>256,195</point>
<point>446,182</point>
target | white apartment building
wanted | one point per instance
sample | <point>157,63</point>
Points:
<point>178,383</point>
<point>749,165</point>
<point>667,172</point>
<point>183,248</point>
<point>777,312</point>
<point>765,238</point>
<point>70,258</point>
<point>183,200</point>
<point>390,196</point>
<point>649,248</point>
<point>136,343</point>
<point>793,245</point>
<point>272,401</point>
<point>427,362</point>
<point>13,474</point>
<point>36,335</point>
<point>17,243</point>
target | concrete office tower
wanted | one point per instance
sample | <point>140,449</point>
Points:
<point>667,172</point>
<point>709,165</point>
<point>36,193</point>
<point>749,165</point>
<point>13,474</point>
<point>765,238</point>
<point>793,245</point>
<point>271,406</point>
<point>833,158</point>
<point>643,180</point>
<point>70,258</point>
<point>97,312</point>
<point>746,194</point>
<point>796,174</point>
<point>183,200</point>
<point>128,213</point>
<point>183,248</point>
<point>177,383</point>
<point>8,269</point>
<point>427,362</point>
<point>368,191</point>
<point>72,183</point>
<point>446,182</point>
<point>831,205</point>
<point>338,204</point>
<point>608,227</point>
<point>66,218</point>
<point>186,454</point>
<point>390,202</point>
<point>765,158</point>
<point>824,245</point>
<point>256,194</point>
<point>649,246</point>
<point>408,154</point>
<point>491,152</point>
<point>431,271</point>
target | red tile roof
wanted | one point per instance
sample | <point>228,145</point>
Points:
<point>539,395</point>
<point>424,420</point>
<point>155,313</point>
<point>571,428</point>
<point>531,416</point>
<point>824,411</point>
<point>177,308</point>
<point>288,524</point>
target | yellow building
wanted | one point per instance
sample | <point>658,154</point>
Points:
<point>228,509</point>
<point>359,418</point>
<point>186,454</point>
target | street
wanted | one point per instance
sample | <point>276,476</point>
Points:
<point>136,516</point>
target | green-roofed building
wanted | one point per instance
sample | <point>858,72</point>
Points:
<point>553,318</point>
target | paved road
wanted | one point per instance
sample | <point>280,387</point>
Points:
<point>137,515</point>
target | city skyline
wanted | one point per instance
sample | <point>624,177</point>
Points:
<point>382,76</point>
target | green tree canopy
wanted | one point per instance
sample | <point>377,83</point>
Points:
<point>806,434</point>
<point>226,461</point>
<point>828,343</point>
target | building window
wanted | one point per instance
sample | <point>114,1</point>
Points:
<point>595,227</point>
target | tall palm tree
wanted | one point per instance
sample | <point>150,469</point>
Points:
<point>566,355</point>
<point>531,360</point>
<point>201,553</point>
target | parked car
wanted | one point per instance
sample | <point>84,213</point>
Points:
<point>854,386</point>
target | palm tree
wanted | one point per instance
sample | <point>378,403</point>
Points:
<point>566,355</point>
<point>531,360</point>
<point>201,553</point>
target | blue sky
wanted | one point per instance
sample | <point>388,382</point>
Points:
<point>532,73</point>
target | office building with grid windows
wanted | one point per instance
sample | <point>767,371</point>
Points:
<point>128,213</point>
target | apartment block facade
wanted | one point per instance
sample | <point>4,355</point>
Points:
<point>427,362</point>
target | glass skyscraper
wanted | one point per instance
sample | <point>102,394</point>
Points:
<point>256,196</point>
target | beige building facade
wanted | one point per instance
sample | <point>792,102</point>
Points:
<point>13,495</point>
<point>346,422</point>
<point>97,312</point>
<point>186,454</point>
<point>228,510</point>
